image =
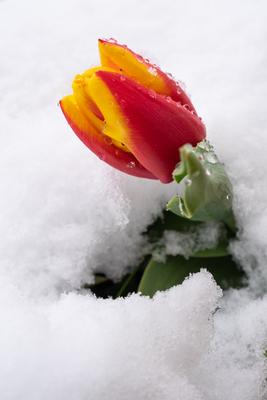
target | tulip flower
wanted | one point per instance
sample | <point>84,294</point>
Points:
<point>131,114</point>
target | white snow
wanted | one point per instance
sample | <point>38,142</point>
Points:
<point>53,350</point>
<point>201,237</point>
<point>65,214</point>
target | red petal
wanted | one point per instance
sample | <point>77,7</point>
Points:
<point>158,126</point>
<point>102,146</point>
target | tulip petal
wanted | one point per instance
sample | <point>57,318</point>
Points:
<point>125,61</point>
<point>114,126</point>
<point>100,144</point>
<point>156,126</point>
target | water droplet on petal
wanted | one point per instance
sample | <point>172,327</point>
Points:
<point>112,40</point>
<point>153,70</point>
<point>152,94</point>
<point>108,140</point>
<point>186,106</point>
<point>170,75</point>
<point>131,164</point>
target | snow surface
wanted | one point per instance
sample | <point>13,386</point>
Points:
<point>201,237</point>
<point>65,214</point>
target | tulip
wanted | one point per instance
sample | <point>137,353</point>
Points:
<point>131,114</point>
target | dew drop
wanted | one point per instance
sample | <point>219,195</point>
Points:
<point>188,182</point>
<point>112,40</point>
<point>153,70</point>
<point>170,75</point>
<point>186,106</point>
<point>108,140</point>
<point>205,145</point>
<point>211,158</point>
<point>152,94</point>
<point>131,164</point>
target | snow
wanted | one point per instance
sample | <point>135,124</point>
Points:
<point>66,215</point>
<point>203,236</point>
<point>60,341</point>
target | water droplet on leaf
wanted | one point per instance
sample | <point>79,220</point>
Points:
<point>211,158</point>
<point>187,182</point>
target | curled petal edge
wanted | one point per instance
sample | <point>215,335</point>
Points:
<point>100,144</point>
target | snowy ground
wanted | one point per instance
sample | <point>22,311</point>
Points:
<point>65,214</point>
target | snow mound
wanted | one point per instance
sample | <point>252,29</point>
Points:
<point>81,347</point>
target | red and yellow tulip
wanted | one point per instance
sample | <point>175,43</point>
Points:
<point>131,114</point>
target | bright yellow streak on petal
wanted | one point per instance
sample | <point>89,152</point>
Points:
<point>73,112</point>
<point>85,102</point>
<point>84,94</point>
<point>115,126</point>
<point>126,62</point>
<point>83,118</point>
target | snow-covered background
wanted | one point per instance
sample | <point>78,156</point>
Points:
<point>64,214</point>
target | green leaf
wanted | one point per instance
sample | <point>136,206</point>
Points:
<point>162,276</point>
<point>208,191</point>
<point>221,250</point>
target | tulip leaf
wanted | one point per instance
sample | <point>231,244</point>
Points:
<point>208,191</point>
<point>160,276</point>
<point>131,281</point>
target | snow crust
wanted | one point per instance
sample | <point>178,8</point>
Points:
<point>65,215</point>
